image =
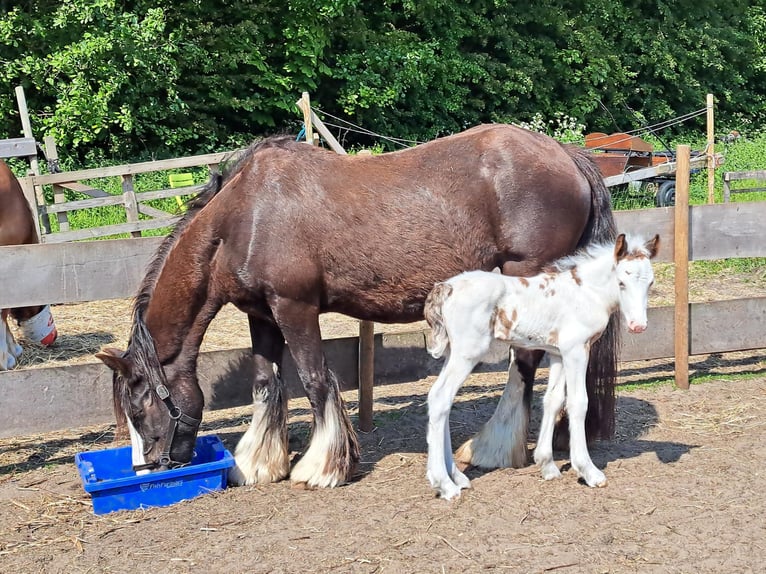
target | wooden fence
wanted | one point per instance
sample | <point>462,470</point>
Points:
<point>731,176</point>
<point>134,203</point>
<point>43,399</point>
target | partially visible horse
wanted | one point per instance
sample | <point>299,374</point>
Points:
<point>563,310</point>
<point>17,227</point>
<point>294,231</point>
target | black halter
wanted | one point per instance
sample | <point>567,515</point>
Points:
<point>176,416</point>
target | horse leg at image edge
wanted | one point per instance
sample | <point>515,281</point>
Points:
<point>262,455</point>
<point>10,351</point>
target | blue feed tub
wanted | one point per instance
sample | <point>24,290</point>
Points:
<point>108,477</point>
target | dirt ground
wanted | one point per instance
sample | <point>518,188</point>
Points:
<point>685,493</point>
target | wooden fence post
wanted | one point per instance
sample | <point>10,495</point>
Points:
<point>26,126</point>
<point>681,256</point>
<point>366,371</point>
<point>710,151</point>
<point>131,201</point>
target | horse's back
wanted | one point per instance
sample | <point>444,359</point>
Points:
<point>374,233</point>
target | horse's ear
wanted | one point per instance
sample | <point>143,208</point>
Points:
<point>113,358</point>
<point>653,246</point>
<point>620,247</point>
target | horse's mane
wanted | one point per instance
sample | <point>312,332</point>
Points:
<point>588,253</point>
<point>633,244</point>
<point>232,166</point>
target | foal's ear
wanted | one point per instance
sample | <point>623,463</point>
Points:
<point>620,247</point>
<point>113,358</point>
<point>653,246</point>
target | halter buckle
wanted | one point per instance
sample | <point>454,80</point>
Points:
<point>162,392</point>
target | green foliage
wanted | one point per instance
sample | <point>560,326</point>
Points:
<point>135,80</point>
<point>93,72</point>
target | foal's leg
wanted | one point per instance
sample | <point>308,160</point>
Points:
<point>333,453</point>
<point>552,403</point>
<point>262,454</point>
<point>575,365</point>
<point>502,441</point>
<point>441,467</point>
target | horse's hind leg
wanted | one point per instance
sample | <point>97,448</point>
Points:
<point>333,453</point>
<point>441,471</point>
<point>502,441</point>
<point>261,455</point>
<point>552,403</point>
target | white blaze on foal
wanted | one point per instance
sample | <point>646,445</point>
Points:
<point>562,311</point>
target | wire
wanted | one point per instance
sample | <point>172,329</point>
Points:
<point>350,127</point>
<point>649,129</point>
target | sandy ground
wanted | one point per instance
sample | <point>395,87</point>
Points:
<point>685,491</point>
<point>685,494</point>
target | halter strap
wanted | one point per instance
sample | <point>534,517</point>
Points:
<point>176,416</point>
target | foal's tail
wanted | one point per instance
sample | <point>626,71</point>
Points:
<point>437,339</point>
<point>601,376</point>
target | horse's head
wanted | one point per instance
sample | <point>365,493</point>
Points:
<point>635,277</point>
<point>163,420</point>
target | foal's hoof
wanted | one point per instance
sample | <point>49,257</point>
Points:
<point>594,478</point>
<point>449,491</point>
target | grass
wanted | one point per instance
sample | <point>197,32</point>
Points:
<point>694,379</point>
<point>111,215</point>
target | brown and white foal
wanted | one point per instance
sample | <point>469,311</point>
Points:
<point>562,311</point>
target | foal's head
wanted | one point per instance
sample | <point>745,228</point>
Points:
<point>635,277</point>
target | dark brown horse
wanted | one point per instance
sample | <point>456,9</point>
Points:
<point>293,231</point>
<point>17,227</point>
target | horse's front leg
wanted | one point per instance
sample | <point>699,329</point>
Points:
<point>502,440</point>
<point>262,455</point>
<point>575,366</point>
<point>552,403</point>
<point>333,453</point>
<point>441,472</point>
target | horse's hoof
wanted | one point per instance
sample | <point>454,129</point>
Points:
<point>460,479</point>
<point>594,478</point>
<point>240,477</point>
<point>550,471</point>
<point>464,455</point>
<point>449,491</point>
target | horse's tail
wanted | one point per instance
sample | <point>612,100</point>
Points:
<point>437,339</point>
<point>602,367</point>
<point>601,227</point>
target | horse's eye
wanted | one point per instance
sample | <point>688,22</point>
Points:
<point>622,285</point>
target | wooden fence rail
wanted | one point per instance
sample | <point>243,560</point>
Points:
<point>132,201</point>
<point>44,399</point>
<point>729,176</point>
